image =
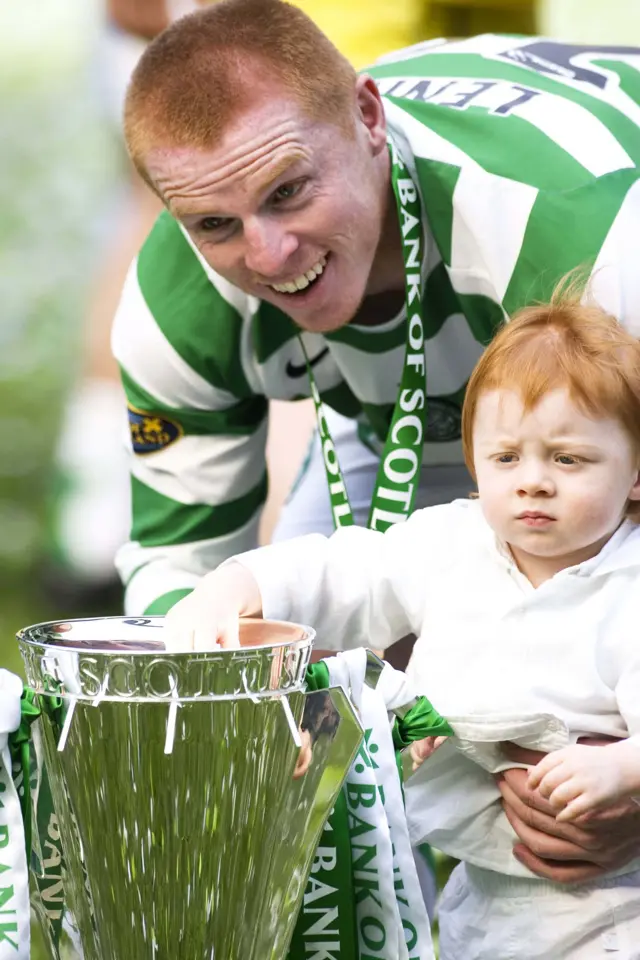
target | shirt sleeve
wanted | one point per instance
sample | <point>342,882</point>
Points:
<point>357,587</point>
<point>198,432</point>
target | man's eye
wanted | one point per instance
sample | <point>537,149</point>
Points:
<point>287,190</point>
<point>210,224</point>
<point>567,459</point>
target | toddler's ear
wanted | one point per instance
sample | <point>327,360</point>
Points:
<point>634,493</point>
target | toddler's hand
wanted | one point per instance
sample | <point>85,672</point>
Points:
<point>581,779</point>
<point>421,750</point>
<point>207,618</point>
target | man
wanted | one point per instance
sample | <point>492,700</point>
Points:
<point>294,233</point>
<point>90,512</point>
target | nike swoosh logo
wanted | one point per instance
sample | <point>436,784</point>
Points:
<point>295,370</point>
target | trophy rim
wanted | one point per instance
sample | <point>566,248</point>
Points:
<point>45,635</point>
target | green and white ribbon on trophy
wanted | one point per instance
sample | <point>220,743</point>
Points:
<point>14,875</point>
<point>26,805</point>
<point>363,899</point>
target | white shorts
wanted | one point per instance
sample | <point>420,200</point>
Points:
<point>490,916</point>
<point>307,509</point>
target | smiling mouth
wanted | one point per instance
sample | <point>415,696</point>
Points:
<point>304,281</point>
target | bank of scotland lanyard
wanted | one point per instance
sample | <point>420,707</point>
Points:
<point>399,471</point>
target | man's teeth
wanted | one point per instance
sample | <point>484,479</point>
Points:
<point>303,280</point>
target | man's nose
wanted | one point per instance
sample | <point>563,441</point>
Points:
<point>268,246</point>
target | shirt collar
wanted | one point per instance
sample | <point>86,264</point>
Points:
<point>618,553</point>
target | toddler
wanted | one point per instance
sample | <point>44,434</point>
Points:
<point>526,605</point>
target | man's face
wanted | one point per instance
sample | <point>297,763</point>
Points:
<point>553,482</point>
<point>287,209</point>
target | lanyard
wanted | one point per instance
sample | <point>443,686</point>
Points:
<point>399,471</point>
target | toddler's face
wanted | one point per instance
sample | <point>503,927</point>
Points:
<point>553,482</point>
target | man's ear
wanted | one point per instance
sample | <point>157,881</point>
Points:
<point>371,112</point>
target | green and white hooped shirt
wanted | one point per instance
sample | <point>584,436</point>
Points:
<point>525,152</point>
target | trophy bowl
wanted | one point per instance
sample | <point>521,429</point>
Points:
<point>182,832</point>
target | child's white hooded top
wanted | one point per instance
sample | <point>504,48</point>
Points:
<point>499,658</point>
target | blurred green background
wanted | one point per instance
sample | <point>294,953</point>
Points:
<point>59,169</point>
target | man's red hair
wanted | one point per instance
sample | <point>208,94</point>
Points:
<point>209,66</point>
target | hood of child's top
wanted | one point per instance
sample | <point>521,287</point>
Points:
<point>620,553</point>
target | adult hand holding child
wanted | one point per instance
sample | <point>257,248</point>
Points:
<point>559,850</point>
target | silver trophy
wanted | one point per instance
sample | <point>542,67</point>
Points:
<point>182,830</point>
